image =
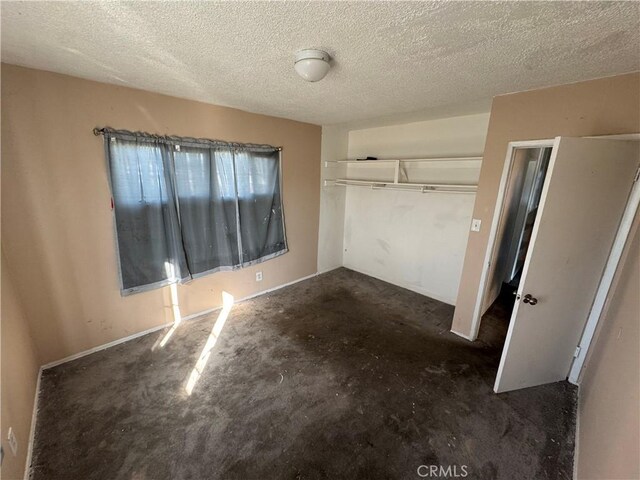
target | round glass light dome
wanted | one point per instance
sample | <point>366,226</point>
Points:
<point>312,65</point>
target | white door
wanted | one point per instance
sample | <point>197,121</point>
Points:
<point>583,198</point>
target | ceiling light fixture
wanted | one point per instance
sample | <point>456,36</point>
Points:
<point>312,65</point>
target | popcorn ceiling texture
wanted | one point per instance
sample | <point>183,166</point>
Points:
<point>390,57</point>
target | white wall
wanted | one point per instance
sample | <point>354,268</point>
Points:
<point>409,239</point>
<point>462,135</point>
<point>331,229</point>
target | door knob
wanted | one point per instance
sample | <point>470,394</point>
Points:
<point>530,300</point>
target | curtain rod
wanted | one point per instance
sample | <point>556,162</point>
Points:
<point>174,139</point>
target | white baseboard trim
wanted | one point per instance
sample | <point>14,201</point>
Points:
<point>408,286</point>
<point>269,290</point>
<point>192,316</point>
<point>32,429</point>
<point>84,353</point>
<point>330,269</point>
<point>460,334</point>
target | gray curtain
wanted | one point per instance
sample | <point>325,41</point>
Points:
<point>147,227</point>
<point>259,205</point>
<point>189,207</point>
<point>207,202</point>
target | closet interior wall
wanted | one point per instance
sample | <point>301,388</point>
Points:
<point>407,238</point>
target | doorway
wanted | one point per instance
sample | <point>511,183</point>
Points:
<point>559,210</point>
<point>522,195</point>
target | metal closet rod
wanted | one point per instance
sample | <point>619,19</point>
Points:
<point>409,160</point>
<point>422,188</point>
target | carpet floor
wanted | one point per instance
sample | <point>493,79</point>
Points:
<point>339,376</point>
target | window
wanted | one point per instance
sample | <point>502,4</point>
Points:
<point>185,208</point>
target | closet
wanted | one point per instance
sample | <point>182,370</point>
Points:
<point>405,220</point>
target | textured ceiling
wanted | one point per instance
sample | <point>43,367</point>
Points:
<point>390,57</point>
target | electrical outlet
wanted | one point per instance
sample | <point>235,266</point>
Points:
<point>13,443</point>
<point>258,276</point>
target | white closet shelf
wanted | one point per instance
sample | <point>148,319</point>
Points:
<point>405,160</point>
<point>407,186</point>
<point>400,169</point>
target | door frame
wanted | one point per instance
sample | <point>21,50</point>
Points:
<point>495,223</point>
<point>612,262</point>
<point>610,269</point>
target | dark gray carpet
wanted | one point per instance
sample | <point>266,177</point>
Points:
<point>341,376</point>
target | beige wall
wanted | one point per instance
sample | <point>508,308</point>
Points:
<point>20,365</point>
<point>609,403</point>
<point>608,443</point>
<point>596,107</point>
<point>56,220</point>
